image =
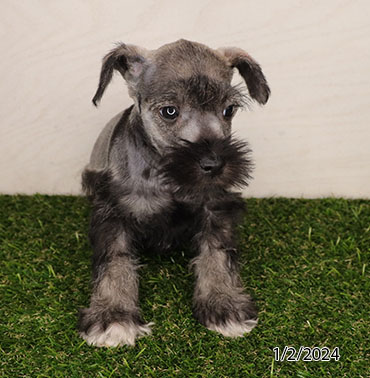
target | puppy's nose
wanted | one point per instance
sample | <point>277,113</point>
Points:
<point>210,164</point>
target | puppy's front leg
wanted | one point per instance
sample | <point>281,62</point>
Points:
<point>113,317</point>
<point>219,301</point>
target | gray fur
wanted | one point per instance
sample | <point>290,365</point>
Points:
<point>154,181</point>
<point>99,158</point>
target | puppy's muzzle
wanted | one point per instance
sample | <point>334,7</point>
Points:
<point>211,165</point>
<point>208,164</point>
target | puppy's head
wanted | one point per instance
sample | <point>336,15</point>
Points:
<point>184,95</point>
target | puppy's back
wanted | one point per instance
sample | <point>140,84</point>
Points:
<point>99,157</point>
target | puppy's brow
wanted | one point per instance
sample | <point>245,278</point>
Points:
<point>199,90</point>
<point>210,92</point>
<point>169,98</point>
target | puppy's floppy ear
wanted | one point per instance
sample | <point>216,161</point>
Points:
<point>250,70</point>
<point>128,60</point>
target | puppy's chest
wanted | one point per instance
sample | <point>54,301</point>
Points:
<point>144,201</point>
<point>152,202</point>
<point>173,226</point>
<point>154,206</point>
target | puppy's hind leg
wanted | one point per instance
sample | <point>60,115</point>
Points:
<point>113,318</point>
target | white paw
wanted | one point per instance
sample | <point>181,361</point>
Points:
<point>116,334</point>
<point>232,328</point>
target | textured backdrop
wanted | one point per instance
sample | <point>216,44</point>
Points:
<point>312,138</point>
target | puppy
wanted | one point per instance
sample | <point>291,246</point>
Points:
<point>162,173</point>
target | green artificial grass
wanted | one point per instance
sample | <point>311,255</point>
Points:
<point>304,261</point>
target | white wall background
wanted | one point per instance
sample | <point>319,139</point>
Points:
<point>312,138</point>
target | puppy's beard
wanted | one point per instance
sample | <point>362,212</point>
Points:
<point>181,165</point>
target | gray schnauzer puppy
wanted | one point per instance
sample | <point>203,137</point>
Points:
<point>160,173</point>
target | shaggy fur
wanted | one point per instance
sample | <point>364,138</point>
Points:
<point>156,182</point>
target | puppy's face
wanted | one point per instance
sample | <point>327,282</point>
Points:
<point>183,89</point>
<point>186,95</point>
<point>192,109</point>
<point>183,94</point>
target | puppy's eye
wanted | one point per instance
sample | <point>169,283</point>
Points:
<point>229,111</point>
<point>169,113</point>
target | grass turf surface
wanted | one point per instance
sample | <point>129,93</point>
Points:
<point>304,261</point>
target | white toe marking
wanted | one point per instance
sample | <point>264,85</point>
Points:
<point>233,329</point>
<point>116,334</point>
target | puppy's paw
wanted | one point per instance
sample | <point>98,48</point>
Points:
<point>232,316</point>
<point>111,327</point>
<point>232,328</point>
<point>115,334</point>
